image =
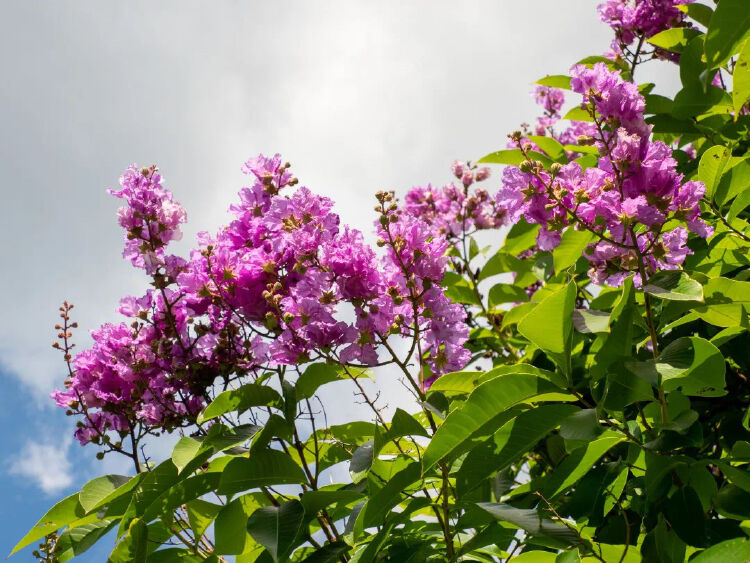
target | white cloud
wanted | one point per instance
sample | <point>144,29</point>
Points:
<point>45,464</point>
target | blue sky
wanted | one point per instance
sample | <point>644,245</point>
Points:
<point>358,96</point>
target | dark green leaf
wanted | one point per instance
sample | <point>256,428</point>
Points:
<point>278,528</point>
<point>685,514</point>
<point>516,437</point>
<point>532,522</point>
<point>484,404</point>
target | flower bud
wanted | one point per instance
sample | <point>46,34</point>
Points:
<point>555,168</point>
<point>525,166</point>
<point>482,174</point>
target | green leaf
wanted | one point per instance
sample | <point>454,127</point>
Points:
<point>532,522</point>
<point>711,167</point>
<point>674,39</point>
<point>515,437</point>
<point>404,424</point>
<point>264,467</point>
<point>185,451</point>
<point>570,249</point>
<point>549,325</point>
<point>741,80</point>
<point>736,549</point>
<point>614,490</point>
<point>555,81</point>
<point>232,537</point>
<point>278,528</point>
<point>583,149</point>
<point>93,492</point>
<point>506,293</point>
<point>200,515</point>
<point>577,464</point>
<point>699,12</point>
<point>319,374</point>
<point>329,552</point>
<point>704,374</point>
<point>362,460</point>
<point>729,25</point>
<point>387,497</point>
<point>578,114</point>
<point>63,513</point>
<point>623,388</point>
<point>521,236</point>
<point>685,514</point>
<point>513,157</point>
<point>500,263</point>
<point>727,302</point>
<point>740,203</point>
<point>550,146</point>
<point>484,404</point>
<point>674,285</point>
<point>133,547</point>
<point>75,541</point>
<point>692,100</point>
<point>315,501</point>
<point>658,104</point>
<point>590,321</point>
<point>247,396</point>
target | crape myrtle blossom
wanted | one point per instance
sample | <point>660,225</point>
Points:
<point>628,201</point>
<point>266,290</point>
<point>634,19</point>
<point>453,211</point>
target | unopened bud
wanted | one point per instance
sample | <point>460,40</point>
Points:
<point>555,168</point>
<point>585,140</point>
<point>525,166</point>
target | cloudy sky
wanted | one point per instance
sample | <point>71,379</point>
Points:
<point>359,96</point>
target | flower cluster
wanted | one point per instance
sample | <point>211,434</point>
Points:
<point>627,201</point>
<point>151,218</point>
<point>456,210</point>
<point>271,288</point>
<point>551,100</point>
<point>632,19</point>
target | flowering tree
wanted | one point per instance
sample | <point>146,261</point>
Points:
<point>592,405</point>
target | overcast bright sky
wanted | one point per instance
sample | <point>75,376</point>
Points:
<point>359,96</point>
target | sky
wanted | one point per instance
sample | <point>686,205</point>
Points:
<point>358,96</point>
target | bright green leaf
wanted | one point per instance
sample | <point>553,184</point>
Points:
<point>729,25</point>
<point>247,396</point>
